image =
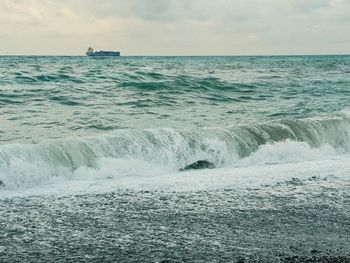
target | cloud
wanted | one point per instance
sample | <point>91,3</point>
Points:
<point>175,27</point>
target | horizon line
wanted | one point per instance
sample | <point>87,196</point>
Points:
<point>211,55</point>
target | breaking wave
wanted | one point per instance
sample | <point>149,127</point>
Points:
<point>162,151</point>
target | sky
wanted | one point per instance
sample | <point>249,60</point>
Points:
<point>175,27</point>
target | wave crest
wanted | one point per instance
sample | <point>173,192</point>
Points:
<point>159,151</point>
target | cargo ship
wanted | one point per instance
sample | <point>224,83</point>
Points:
<point>91,53</point>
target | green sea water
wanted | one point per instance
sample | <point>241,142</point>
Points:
<point>83,140</point>
<point>63,114</point>
<point>60,97</point>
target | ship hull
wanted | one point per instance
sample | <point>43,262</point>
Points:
<point>104,54</point>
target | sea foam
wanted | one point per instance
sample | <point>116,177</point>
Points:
<point>155,152</point>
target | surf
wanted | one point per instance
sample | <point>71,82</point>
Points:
<point>168,150</point>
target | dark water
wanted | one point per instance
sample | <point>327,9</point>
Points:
<point>92,153</point>
<point>59,97</point>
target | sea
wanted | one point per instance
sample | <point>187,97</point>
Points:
<point>175,159</point>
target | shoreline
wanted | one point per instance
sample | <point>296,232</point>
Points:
<point>264,225</point>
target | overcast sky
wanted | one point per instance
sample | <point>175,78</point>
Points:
<point>175,27</point>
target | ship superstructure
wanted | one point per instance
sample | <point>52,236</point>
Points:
<point>91,53</point>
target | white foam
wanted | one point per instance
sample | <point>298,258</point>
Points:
<point>20,173</point>
<point>250,177</point>
<point>109,168</point>
<point>287,152</point>
<point>143,169</point>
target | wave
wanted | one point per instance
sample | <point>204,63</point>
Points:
<point>150,81</point>
<point>161,151</point>
<point>29,78</point>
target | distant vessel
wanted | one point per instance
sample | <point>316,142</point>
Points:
<point>90,52</point>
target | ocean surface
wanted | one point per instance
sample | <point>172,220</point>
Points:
<point>94,158</point>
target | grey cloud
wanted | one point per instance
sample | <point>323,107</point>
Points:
<point>197,9</point>
<point>183,26</point>
<point>148,10</point>
<point>301,6</point>
<point>169,10</point>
